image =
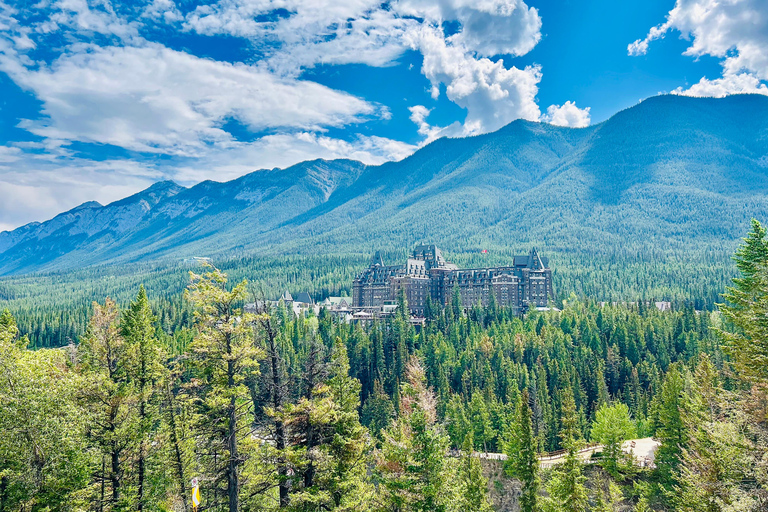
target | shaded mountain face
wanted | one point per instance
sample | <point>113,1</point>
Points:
<point>664,175</point>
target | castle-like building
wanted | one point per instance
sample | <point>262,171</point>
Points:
<point>526,282</point>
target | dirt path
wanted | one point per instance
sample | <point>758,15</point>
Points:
<point>643,450</point>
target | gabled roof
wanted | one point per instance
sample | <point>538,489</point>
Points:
<point>338,301</point>
<point>304,297</point>
<point>286,297</point>
<point>377,259</point>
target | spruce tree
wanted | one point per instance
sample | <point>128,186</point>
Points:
<point>670,410</point>
<point>747,305</point>
<point>107,396</point>
<point>567,492</point>
<point>474,487</point>
<point>145,370</point>
<point>522,462</point>
<point>411,466</point>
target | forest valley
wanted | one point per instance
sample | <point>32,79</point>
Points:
<point>273,412</point>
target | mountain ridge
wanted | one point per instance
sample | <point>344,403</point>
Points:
<point>655,171</point>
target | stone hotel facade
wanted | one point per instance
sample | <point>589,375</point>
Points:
<point>526,282</point>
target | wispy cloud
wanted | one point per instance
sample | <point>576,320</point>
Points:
<point>103,81</point>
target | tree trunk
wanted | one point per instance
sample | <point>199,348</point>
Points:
<point>177,449</point>
<point>115,474</point>
<point>103,481</point>
<point>232,480</point>
<point>142,425</point>
<point>277,404</point>
<point>142,414</point>
<point>3,492</point>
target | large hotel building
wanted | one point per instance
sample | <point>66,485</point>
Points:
<point>526,282</point>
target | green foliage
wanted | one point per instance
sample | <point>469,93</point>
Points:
<point>44,458</point>
<point>670,408</point>
<point>612,426</point>
<point>522,462</point>
<point>566,488</point>
<point>223,353</point>
<point>747,301</point>
<point>274,411</point>
<point>474,487</point>
<point>411,466</point>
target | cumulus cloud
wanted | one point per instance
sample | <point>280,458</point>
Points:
<point>567,114</point>
<point>734,31</point>
<point>488,27</point>
<point>492,94</point>
<point>363,31</point>
<point>742,83</point>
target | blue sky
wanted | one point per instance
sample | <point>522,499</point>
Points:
<point>99,99</point>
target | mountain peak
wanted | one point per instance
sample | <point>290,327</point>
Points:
<point>666,162</point>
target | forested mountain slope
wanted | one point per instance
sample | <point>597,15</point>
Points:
<point>669,177</point>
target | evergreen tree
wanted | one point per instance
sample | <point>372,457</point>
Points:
<point>747,304</point>
<point>223,354</point>
<point>670,410</point>
<point>378,410</point>
<point>522,462</point>
<point>411,466</point>
<point>567,492</point>
<point>474,487</point>
<point>145,370</point>
<point>612,426</point>
<point>108,396</point>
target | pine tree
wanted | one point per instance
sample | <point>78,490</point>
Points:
<point>108,396</point>
<point>567,492</point>
<point>223,353</point>
<point>613,426</point>
<point>474,487</point>
<point>670,410</point>
<point>411,467</point>
<point>747,304</point>
<point>522,462</point>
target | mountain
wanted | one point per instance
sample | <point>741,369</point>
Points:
<point>669,177</point>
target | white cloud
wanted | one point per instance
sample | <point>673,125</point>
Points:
<point>284,150</point>
<point>735,31</point>
<point>163,10</point>
<point>108,85</point>
<point>9,154</point>
<point>363,31</point>
<point>36,187</point>
<point>488,27</point>
<point>742,83</point>
<point>492,94</point>
<point>567,114</point>
<point>419,114</point>
<point>99,17</point>
<point>159,100</point>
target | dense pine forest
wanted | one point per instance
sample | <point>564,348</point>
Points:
<point>53,308</point>
<point>273,412</point>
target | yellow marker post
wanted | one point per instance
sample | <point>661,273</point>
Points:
<point>195,494</point>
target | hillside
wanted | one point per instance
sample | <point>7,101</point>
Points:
<point>666,177</point>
